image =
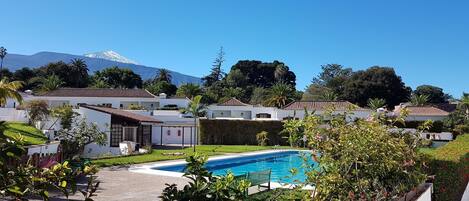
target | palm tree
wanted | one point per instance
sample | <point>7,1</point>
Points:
<point>10,90</point>
<point>189,90</point>
<point>329,95</point>
<point>197,109</point>
<point>376,103</point>
<point>80,71</point>
<point>163,75</point>
<point>3,53</point>
<point>51,83</point>
<point>279,95</point>
<point>419,100</point>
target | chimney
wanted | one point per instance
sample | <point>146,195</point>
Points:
<point>162,96</point>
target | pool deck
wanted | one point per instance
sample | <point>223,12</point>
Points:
<point>124,183</point>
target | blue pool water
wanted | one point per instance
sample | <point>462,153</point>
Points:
<point>280,163</point>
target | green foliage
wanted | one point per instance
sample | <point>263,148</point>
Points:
<point>204,186</point>
<point>100,84</point>
<point>280,194</point>
<point>222,132</point>
<point>294,129</point>
<point>433,94</point>
<point>65,114</point>
<point>189,90</point>
<point>328,85</point>
<point>163,75</point>
<point>22,180</point>
<point>436,126</point>
<point>37,110</point>
<point>161,87</point>
<point>135,107</point>
<point>75,138</point>
<point>360,160</point>
<point>262,138</point>
<point>74,74</point>
<point>376,103</point>
<point>262,74</point>
<point>10,90</point>
<point>376,82</point>
<point>50,83</point>
<point>216,73</point>
<point>119,77</point>
<point>259,95</point>
<point>449,164</point>
<point>280,94</point>
<point>419,100</point>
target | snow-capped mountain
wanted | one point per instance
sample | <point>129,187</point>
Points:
<point>110,55</point>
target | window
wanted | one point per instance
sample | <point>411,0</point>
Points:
<point>121,106</point>
<point>129,134</point>
<point>116,135</point>
<point>263,115</point>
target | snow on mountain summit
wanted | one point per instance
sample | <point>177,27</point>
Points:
<point>110,55</point>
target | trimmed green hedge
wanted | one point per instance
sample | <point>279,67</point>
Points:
<point>450,165</point>
<point>239,132</point>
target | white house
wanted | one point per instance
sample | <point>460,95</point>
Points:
<point>235,109</point>
<point>297,109</point>
<point>422,113</point>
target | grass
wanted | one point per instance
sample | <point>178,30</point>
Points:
<point>158,155</point>
<point>31,135</point>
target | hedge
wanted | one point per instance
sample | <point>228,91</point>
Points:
<point>239,132</point>
<point>450,165</point>
<point>437,126</point>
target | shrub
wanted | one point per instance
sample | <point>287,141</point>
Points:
<point>239,132</point>
<point>204,186</point>
<point>450,165</point>
<point>37,110</point>
<point>461,129</point>
<point>361,160</point>
<point>135,107</point>
<point>262,138</point>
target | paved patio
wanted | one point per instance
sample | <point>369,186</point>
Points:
<point>119,184</point>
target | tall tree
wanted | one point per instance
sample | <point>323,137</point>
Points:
<point>50,83</point>
<point>376,82</point>
<point>419,100</point>
<point>197,110</point>
<point>216,73</point>
<point>10,90</point>
<point>163,75</point>
<point>280,95</point>
<point>330,81</point>
<point>3,53</point>
<point>262,74</point>
<point>189,90</point>
<point>119,77</point>
<point>79,72</point>
<point>434,94</point>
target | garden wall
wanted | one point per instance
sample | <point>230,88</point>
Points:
<point>450,165</point>
<point>239,132</point>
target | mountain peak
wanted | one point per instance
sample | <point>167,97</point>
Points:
<point>110,55</point>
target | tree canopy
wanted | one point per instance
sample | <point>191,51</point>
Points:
<point>434,94</point>
<point>376,82</point>
<point>119,77</point>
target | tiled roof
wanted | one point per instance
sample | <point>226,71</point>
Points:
<point>319,105</point>
<point>423,111</point>
<point>448,107</point>
<point>92,92</point>
<point>233,102</point>
<point>125,114</point>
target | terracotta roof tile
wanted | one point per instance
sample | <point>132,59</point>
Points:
<point>123,113</point>
<point>233,102</point>
<point>92,92</point>
<point>319,105</point>
<point>423,111</point>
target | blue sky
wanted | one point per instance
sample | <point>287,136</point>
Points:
<point>427,42</point>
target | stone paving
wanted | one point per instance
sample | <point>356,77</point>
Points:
<point>119,184</point>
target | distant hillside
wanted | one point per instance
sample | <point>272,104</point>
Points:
<point>16,61</point>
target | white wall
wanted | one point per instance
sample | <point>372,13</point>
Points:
<point>12,114</point>
<point>170,135</point>
<point>180,102</point>
<point>103,121</point>
<point>249,112</point>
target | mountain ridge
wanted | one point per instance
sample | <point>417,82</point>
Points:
<point>17,61</point>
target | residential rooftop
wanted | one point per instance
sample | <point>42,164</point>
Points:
<point>124,114</point>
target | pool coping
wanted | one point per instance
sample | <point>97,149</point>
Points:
<point>148,168</point>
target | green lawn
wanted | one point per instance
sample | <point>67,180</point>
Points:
<point>158,155</point>
<point>30,134</point>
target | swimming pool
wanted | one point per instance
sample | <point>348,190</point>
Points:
<point>280,162</point>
